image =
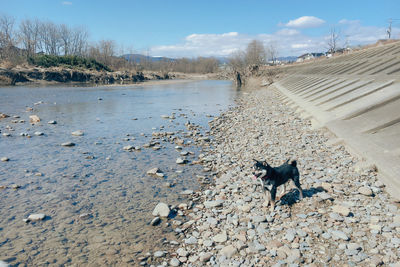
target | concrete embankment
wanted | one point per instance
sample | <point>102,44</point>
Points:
<point>357,97</point>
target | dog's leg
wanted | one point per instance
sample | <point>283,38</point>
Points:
<point>266,192</point>
<point>267,197</point>
<point>296,181</point>
<point>273,195</point>
<point>283,192</point>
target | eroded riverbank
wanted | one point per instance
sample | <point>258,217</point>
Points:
<point>345,219</point>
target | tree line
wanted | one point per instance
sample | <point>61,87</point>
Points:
<point>34,40</point>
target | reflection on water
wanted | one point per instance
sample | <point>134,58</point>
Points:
<point>96,176</point>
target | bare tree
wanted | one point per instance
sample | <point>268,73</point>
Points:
<point>333,40</point>
<point>107,51</point>
<point>272,52</point>
<point>7,37</point>
<point>29,33</point>
<point>50,37</point>
<point>79,41</point>
<point>6,30</point>
<point>237,61</point>
<point>66,36</point>
<point>255,53</point>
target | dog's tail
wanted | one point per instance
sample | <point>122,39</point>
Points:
<point>293,163</point>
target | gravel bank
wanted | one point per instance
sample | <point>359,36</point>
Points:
<point>345,219</point>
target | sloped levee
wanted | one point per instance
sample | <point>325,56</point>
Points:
<point>357,97</point>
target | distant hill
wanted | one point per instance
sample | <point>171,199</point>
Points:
<point>138,58</point>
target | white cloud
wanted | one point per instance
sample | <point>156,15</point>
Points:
<point>289,42</point>
<point>299,46</point>
<point>355,33</point>
<point>288,32</point>
<point>305,22</point>
<point>66,3</point>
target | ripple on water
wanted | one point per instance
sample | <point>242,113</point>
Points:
<point>96,196</point>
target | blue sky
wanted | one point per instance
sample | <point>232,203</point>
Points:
<point>216,28</point>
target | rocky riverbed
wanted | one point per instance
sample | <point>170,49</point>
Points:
<point>75,181</point>
<point>345,219</point>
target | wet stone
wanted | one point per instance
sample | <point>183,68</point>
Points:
<point>159,254</point>
<point>36,217</point>
<point>155,221</point>
<point>161,210</point>
<point>77,133</point>
<point>68,144</point>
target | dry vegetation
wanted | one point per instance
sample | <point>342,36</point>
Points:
<point>46,44</point>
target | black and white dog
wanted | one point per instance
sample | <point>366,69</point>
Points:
<point>272,177</point>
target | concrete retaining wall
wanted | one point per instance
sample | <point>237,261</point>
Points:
<point>357,97</point>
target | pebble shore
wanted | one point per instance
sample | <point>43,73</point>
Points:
<point>346,217</point>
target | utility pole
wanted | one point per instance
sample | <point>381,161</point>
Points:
<point>389,30</point>
<point>347,42</point>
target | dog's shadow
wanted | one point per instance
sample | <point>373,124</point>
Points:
<point>293,195</point>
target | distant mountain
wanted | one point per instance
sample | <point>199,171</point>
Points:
<point>138,58</point>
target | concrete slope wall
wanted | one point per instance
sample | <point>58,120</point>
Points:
<point>357,97</point>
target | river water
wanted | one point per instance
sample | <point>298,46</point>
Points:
<point>96,178</point>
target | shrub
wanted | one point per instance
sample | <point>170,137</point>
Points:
<point>67,61</point>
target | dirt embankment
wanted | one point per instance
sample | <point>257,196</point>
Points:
<point>62,75</point>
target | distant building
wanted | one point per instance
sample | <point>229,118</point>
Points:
<point>309,56</point>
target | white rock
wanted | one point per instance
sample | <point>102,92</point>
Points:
<point>366,191</point>
<point>153,171</point>
<point>180,161</point>
<point>205,257</point>
<point>187,192</point>
<point>220,238</point>
<point>4,159</point>
<point>228,251</point>
<point>182,252</point>
<point>52,122</point>
<point>161,210</point>
<point>77,133</point>
<point>213,203</point>
<point>174,262</point>
<point>34,119</point>
<point>191,240</point>
<point>159,254</point>
<point>342,210</point>
<point>36,217</point>
<point>340,235</point>
<point>128,148</point>
<point>38,133</point>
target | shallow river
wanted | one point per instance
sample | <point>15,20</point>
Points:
<point>95,177</point>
